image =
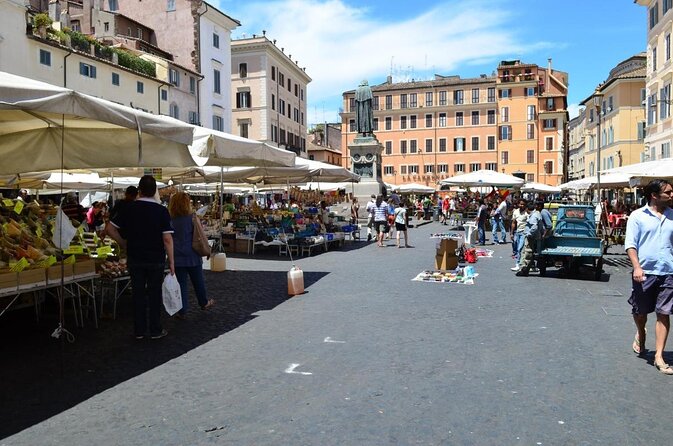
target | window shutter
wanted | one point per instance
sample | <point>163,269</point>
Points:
<point>238,100</point>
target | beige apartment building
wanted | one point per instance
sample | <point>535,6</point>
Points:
<point>268,94</point>
<point>532,123</point>
<point>621,115</point>
<point>576,146</point>
<point>324,144</point>
<point>431,130</point>
<point>659,70</point>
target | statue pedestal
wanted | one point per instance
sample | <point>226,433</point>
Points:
<point>365,153</point>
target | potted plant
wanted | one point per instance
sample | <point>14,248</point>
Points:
<point>42,22</point>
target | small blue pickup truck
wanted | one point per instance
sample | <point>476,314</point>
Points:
<point>573,243</point>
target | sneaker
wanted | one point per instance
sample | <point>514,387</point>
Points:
<point>160,335</point>
<point>522,273</point>
<point>516,268</point>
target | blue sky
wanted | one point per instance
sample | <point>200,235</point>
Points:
<point>341,42</point>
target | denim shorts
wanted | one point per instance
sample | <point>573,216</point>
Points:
<point>655,293</point>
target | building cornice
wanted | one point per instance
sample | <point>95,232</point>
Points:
<point>242,46</point>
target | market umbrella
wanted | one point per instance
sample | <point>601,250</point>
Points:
<point>213,148</point>
<point>414,188</point>
<point>643,173</point>
<point>614,180</point>
<point>44,127</point>
<point>540,188</point>
<point>303,171</point>
<point>483,178</point>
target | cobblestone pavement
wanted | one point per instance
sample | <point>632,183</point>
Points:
<point>365,357</point>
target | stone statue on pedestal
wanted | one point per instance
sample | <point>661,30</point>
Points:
<point>364,115</point>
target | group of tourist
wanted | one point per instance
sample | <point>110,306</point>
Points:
<point>385,218</point>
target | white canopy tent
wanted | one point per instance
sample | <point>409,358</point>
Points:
<point>540,188</point>
<point>64,129</point>
<point>414,188</point>
<point>483,178</point>
<point>611,180</point>
<point>642,173</point>
<point>303,171</point>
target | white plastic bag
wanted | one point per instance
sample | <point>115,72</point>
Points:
<point>171,293</point>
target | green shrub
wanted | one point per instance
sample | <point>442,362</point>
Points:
<point>42,20</point>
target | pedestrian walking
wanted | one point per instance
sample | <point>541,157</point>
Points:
<point>391,220</point>
<point>532,234</point>
<point>649,237</point>
<point>498,216</point>
<point>380,219</point>
<point>370,216</point>
<point>401,224</point>
<point>188,263</point>
<point>481,218</point>
<point>149,240</point>
<point>355,208</point>
<point>519,218</point>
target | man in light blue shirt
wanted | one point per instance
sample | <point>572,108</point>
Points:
<point>649,245</point>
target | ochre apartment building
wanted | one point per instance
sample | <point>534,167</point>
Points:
<point>431,130</point>
<point>622,118</point>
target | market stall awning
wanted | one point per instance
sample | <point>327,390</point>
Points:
<point>414,188</point>
<point>643,173</point>
<point>303,171</point>
<point>540,188</point>
<point>213,148</point>
<point>44,127</point>
<point>608,180</point>
<point>483,178</point>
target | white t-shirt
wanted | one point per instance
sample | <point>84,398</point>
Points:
<point>520,219</point>
<point>401,215</point>
<point>502,209</point>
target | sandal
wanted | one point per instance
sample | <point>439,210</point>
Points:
<point>664,368</point>
<point>210,303</point>
<point>639,345</point>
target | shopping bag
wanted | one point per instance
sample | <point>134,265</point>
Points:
<point>199,238</point>
<point>171,294</point>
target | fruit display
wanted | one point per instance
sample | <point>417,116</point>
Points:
<point>25,233</point>
<point>112,268</point>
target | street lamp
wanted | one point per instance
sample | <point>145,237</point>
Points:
<point>598,98</point>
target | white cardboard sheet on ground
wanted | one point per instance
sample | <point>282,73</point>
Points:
<point>436,276</point>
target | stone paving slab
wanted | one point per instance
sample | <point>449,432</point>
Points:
<point>509,360</point>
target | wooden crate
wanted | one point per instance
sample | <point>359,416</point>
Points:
<point>84,268</point>
<point>32,277</point>
<point>54,273</point>
<point>9,281</point>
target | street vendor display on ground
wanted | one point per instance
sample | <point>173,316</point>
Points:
<point>455,235</point>
<point>483,252</point>
<point>459,275</point>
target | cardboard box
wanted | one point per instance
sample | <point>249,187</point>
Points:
<point>445,262</point>
<point>29,278</point>
<point>54,273</point>
<point>9,281</point>
<point>84,268</point>
<point>447,245</point>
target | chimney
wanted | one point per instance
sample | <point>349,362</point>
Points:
<point>389,80</point>
<point>549,67</point>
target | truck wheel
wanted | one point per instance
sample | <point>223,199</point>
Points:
<point>599,269</point>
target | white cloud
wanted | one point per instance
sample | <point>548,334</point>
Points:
<point>340,44</point>
<point>574,110</point>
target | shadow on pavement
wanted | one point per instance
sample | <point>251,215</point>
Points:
<point>42,376</point>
